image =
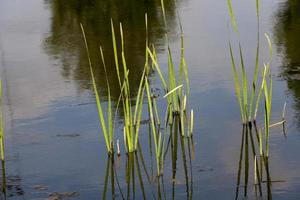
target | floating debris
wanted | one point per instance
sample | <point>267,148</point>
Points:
<point>40,187</point>
<point>13,186</point>
<point>68,135</point>
<point>60,196</point>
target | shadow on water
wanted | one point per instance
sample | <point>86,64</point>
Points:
<point>287,31</point>
<point>64,42</point>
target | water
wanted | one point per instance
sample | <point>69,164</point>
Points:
<point>53,136</point>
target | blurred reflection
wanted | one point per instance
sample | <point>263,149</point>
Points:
<point>253,165</point>
<point>65,43</point>
<point>287,32</point>
<point>3,182</point>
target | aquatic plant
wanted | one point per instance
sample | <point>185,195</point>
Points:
<point>158,137</point>
<point>176,93</point>
<point>2,153</point>
<point>107,129</point>
<point>132,117</point>
<point>171,90</point>
<point>242,90</point>
<point>1,126</point>
<point>247,108</point>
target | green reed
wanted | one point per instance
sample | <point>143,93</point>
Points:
<point>246,101</point>
<point>2,150</point>
<point>249,104</point>
<point>107,129</point>
<point>158,137</point>
<point>1,126</point>
<point>132,115</point>
<point>175,88</point>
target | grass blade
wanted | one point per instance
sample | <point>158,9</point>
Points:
<point>237,84</point>
<point>115,51</point>
<point>173,90</point>
<point>254,82</point>
<point>1,125</point>
<point>244,81</point>
<point>156,144</point>
<point>233,21</point>
<point>109,109</point>
<point>154,61</point>
<point>98,102</point>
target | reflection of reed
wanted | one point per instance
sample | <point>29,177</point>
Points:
<point>135,169</point>
<point>184,159</point>
<point>260,162</point>
<point>191,150</point>
<point>172,144</point>
<point>64,44</point>
<point>112,174</point>
<point>2,146</point>
<point>286,30</point>
<point>142,183</point>
<point>3,188</point>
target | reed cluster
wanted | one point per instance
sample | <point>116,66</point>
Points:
<point>176,92</point>
<point>140,180</point>
<point>246,93</point>
<point>249,103</point>
<point>132,115</point>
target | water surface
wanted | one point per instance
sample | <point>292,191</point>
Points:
<point>53,136</point>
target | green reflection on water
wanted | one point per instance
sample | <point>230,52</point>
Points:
<point>287,32</point>
<point>64,42</point>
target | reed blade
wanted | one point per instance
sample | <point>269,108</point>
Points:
<point>114,43</point>
<point>233,21</point>
<point>183,67</point>
<point>260,91</point>
<point>172,79</point>
<point>237,83</point>
<point>173,91</point>
<point>254,82</point>
<point>109,106</point>
<point>157,67</point>
<point>244,80</point>
<point>1,126</point>
<point>154,131</point>
<point>98,102</point>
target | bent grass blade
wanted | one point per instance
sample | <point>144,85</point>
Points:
<point>108,140</point>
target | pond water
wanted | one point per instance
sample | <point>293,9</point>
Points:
<point>54,144</point>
